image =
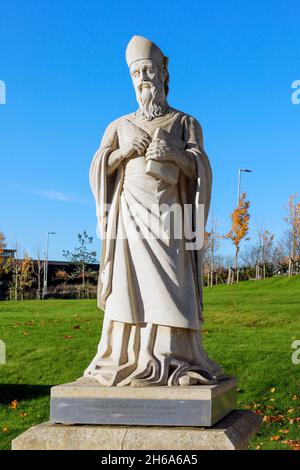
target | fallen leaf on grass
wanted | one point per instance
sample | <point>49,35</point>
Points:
<point>294,397</point>
<point>294,420</point>
<point>67,336</point>
<point>272,390</point>
<point>284,431</point>
<point>23,413</point>
<point>13,404</point>
<point>270,407</point>
<point>294,445</point>
<point>25,333</point>
<point>273,419</point>
<point>275,438</point>
<point>290,410</point>
<point>5,429</point>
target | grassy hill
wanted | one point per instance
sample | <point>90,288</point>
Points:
<point>249,329</point>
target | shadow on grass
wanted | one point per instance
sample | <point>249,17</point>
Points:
<point>9,392</point>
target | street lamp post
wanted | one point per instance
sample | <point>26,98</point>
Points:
<point>241,170</point>
<point>46,265</point>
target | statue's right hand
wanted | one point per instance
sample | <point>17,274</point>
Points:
<point>137,146</point>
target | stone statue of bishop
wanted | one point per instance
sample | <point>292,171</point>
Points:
<point>150,281</point>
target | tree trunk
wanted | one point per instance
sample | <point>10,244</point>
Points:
<point>16,286</point>
<point>290,269</point>
<point>83,276</point>
<point>229,276</point>
<point>236,262</point>
<point>39,281</point>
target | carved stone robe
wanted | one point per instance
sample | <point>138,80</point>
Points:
<point>150,284</point>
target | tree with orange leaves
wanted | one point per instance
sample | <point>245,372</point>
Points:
<point>26,274</point>
<point>239,228</point>
<point>22,273</point>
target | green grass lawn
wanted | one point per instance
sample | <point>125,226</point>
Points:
<point>249,329</point>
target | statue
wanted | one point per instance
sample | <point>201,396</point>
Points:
<point>151,179</point>
<point>150,284</point>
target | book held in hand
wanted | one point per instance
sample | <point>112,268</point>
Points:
<point>165,171</point>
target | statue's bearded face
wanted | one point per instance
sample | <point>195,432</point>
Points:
<point>148,81</point>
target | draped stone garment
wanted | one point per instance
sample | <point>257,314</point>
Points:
<point>150,284</point>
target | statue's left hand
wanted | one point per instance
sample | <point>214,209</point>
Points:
<point>161,151</point>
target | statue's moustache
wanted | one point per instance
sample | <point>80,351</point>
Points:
<point>145,85</point>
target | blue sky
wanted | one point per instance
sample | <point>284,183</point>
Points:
<point>232,64</point>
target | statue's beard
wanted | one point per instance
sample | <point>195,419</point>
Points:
<point>152,100</point>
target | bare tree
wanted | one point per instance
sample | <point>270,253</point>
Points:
<point>38,270</point>
<point>292,235</point>
<point>2,246</point>
<point>260,254</point>
<point>265,240</point>
<point>250,255</point>
<point>212,244</point>
<point>81,256</point>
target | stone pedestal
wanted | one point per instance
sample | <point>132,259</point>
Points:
<point>231,433</point>
<point>85,402</point>
<point>86,416</point>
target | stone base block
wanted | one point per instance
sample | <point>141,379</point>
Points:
<point>232,432</point>
<point>86,402</point>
